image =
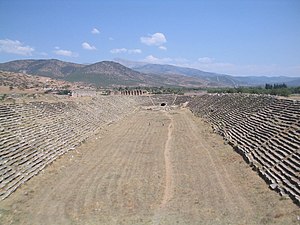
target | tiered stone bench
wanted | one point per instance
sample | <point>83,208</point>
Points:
<point>33,135</point>
<point>181,99</point>
<point>263,129</point>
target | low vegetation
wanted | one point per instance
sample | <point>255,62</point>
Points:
<point>271,89</point>
<point>276,89</point>
<point>159,90</point>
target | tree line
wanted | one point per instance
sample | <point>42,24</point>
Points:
<point>271,89</point>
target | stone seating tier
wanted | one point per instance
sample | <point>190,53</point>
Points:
<point>263,129</point>
<point>33,135</point>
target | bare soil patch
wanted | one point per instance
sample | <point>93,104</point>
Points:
<point>152,167</point>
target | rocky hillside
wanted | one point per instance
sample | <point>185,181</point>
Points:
<point>108,73</point>
<point>111,74</point>
<point>45,67</point>
<point>101,74</point>
<point>209,78</point>
<point>164,70</point>
<point>16,82</point>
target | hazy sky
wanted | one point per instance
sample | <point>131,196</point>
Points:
<point>238,37</point>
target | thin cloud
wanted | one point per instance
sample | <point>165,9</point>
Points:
<point>66,53</point>
<point>134,51</point>
<point>162,48</point>
<point>155,60</point>
<point>125,50</point>
<point>87,46</point>
<point>15,47</point>
<point>206,60</point>
<point>156,39</point>
<point>95,31</point>
<point>118,50</point>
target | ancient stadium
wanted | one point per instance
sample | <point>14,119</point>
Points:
<point>150,159</point>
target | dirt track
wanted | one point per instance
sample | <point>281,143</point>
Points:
<point>153,167</point>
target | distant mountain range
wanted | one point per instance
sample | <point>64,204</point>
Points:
<point>50,68</point>
<point>101,74</point>
<point>210,78</point>
<point>109,74</point>
<point>215,79</point>
<point>262,80</point>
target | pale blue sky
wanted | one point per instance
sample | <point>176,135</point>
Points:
<point>238,37</point>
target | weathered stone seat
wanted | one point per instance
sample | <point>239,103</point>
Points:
<point>265,130</point>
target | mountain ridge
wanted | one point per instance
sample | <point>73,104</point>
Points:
<point>210,76</point>
<point>46,67</point>
<point>101,74</point>
<point>111,74</point>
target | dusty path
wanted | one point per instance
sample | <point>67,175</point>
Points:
<point>153,167</point>
<point>169,176</point>
<point>169,184</point>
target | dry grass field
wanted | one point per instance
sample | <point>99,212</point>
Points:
<point>152,167</point>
